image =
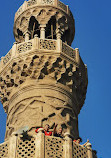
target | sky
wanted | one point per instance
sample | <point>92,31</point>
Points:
<point>93,38</point>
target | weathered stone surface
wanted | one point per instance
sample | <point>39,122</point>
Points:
<point>40,89</point>
<point>42,81</point>
<point>29,13</point>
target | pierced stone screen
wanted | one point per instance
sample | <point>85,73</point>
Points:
<point>4,150</point>
<point>79,151</point>
<point>53,147</point>
<point>25,148</point>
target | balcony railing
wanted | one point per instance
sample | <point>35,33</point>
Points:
<point>45,45</point>
<point>4,150</point>
<point>27,4</point>
<point>39,145</point>
<point>79,151</point>
<point>7,57</point>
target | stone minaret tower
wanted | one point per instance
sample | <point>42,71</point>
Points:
<point>42,81</point>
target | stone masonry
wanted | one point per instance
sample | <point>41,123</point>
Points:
<point>43,80</point>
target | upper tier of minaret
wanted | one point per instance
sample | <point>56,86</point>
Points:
<point>43,81</point>
<point>42,78</point>
<point>48,19</point>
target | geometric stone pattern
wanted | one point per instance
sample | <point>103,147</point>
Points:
<point>4,150</point>
<point>53,147</point>
<point>43,2</point>
<point>31,2</point>
<point>7,57</point>
<point>33,109</point>
<point>68,50</point>
<point>37,67</point>
<point>51,2</point>
<point>62,6</point>
<point>39,87</point>
<point>25,148</point>
<point>43,15</point>
<point>79,151</point>
<point>42,67</point>
<point>24,47</point>
<point>47,44</point>
<point>19,10</point>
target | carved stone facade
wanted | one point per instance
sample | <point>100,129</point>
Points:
<point>42,81</point>
<point>36,83</point>
<point>34,19</point>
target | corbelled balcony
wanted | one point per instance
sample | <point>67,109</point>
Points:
<point>38,146</point>
<point>27,4</point>
<point>41,45</point>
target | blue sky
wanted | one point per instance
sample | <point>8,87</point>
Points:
<point>93,38</point>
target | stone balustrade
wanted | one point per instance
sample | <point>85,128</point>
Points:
<point>27,4</point>
<point>40,146</point>
<point>79,151</point>
<point>7,57</point>
<point>4,150</point>
<point>47,45</point>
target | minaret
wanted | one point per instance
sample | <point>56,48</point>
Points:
<point>43,80</point>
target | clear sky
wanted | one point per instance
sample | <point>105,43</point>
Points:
<point>93,38</point>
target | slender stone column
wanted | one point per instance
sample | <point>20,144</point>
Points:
<point>12,146</point>
<point>42,31</point>
<point>27,35</point>
<point>39,144</point>
<point>59,41</point>
<point>14,49</point>
<point>77,55</point>
<point>58,34</point>
<point>89,150</point>
<point>67,146</point>
<point>36,41</point>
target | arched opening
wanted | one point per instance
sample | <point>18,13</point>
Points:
<point>51,29</point>
<point>20,35</point>
<point>34,27</point>
<point>66,37</point>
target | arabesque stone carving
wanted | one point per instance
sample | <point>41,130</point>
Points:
<point>39,69</point>
<point>43,80</point>
<point>42,16</point>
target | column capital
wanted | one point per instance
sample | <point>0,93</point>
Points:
<point>88,145</point>
<point>40,130</point>
<point>27,35</point>
<point>42,25</point>
<point>77,49</point>
<point>67,136</point>
<point>42,31</point>
<point>59,33</point>
<point>35,36</point>
<point>14,43</point>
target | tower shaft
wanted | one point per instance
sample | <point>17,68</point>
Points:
<point>43,80</point>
